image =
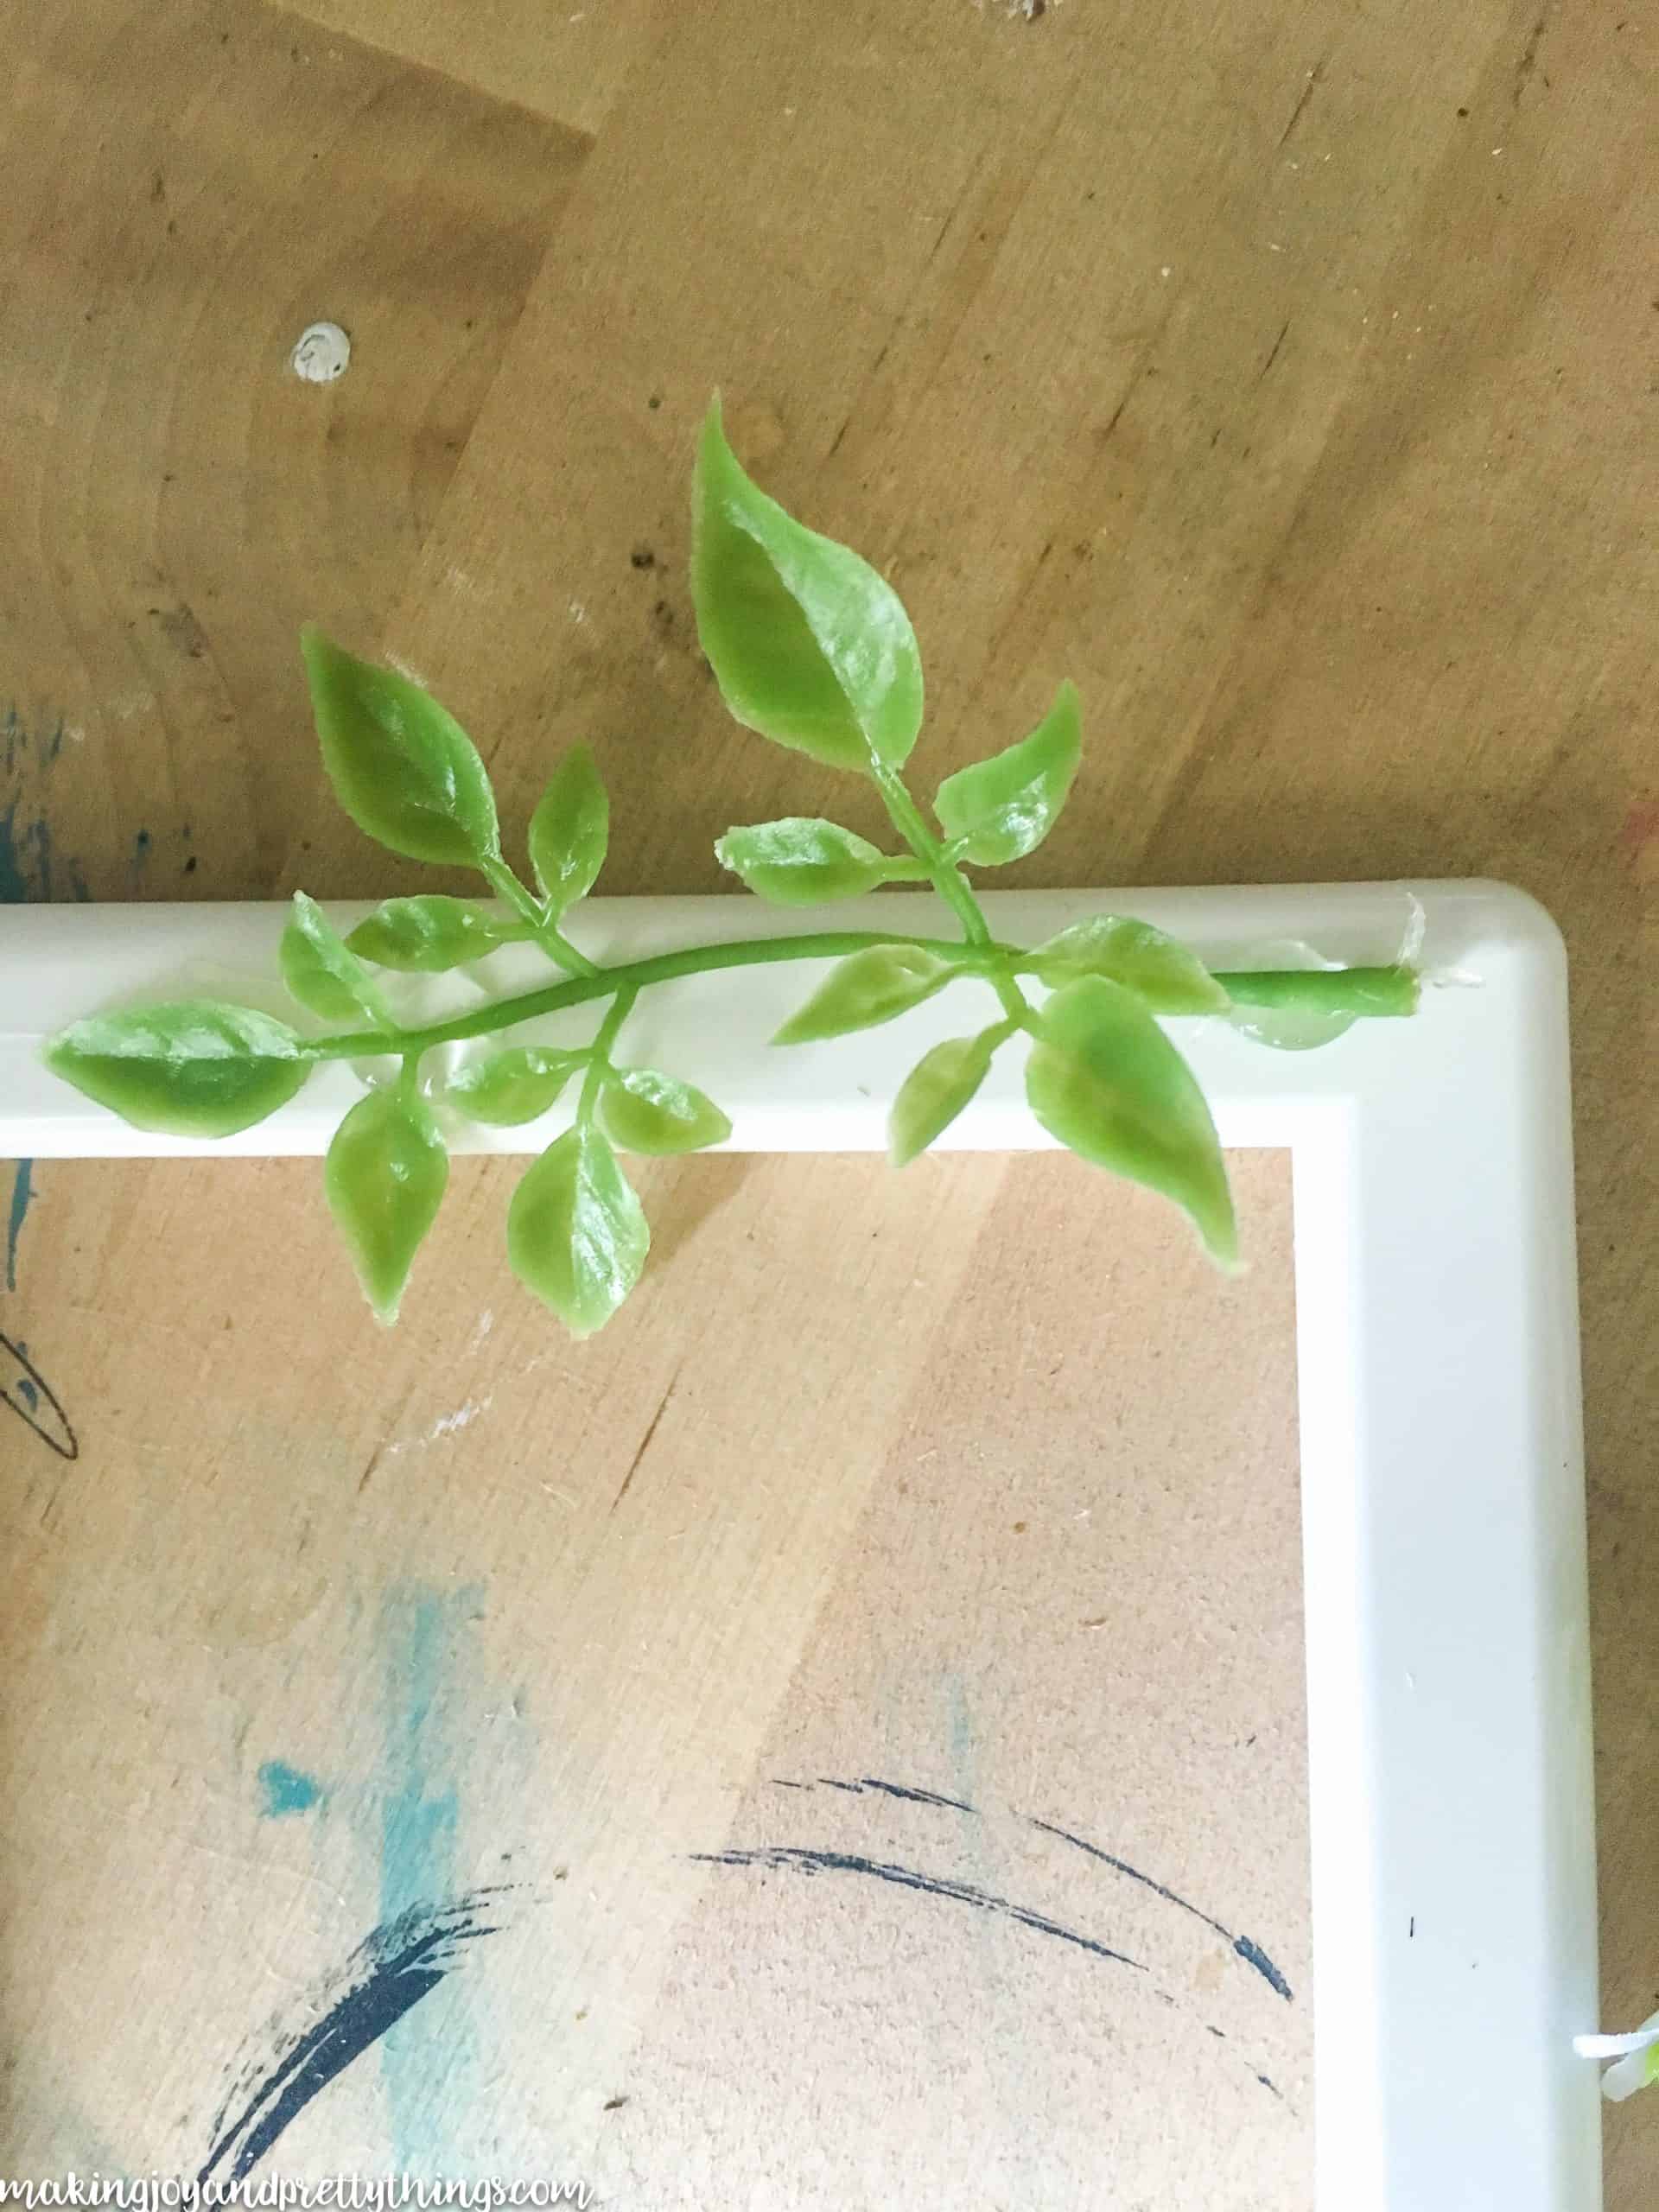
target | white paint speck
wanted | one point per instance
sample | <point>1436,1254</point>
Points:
<point>1274,249</point>
<point>463,1417</point>
<point>578,611</point>
<point>485,1323</point>
<point>445,1424</point>
<point>322,353</point>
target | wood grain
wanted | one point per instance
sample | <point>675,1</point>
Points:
<point>565,59</point>
<point>527,1614</point>
<point>190,185</point>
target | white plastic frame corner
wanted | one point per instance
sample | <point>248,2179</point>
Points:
<point>1443,1514</point>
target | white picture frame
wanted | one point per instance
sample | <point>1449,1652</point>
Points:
<point>1449,1736</point>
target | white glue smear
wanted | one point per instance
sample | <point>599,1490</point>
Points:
<point>446,1425</point>
<point>1634,2068</point>
<point>321,353</point>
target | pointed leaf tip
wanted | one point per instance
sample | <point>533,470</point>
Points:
<point>810,645</point>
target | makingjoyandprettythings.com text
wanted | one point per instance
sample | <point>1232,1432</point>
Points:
<point>276,2193</point>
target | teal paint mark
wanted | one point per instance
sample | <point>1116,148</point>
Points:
<point>286,1790</point>
<point>959,1729</point>
<point>428,2057</point>
<point>22,1192</point>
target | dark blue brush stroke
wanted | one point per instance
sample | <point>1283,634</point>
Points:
<point>1251,1953</point>
<point>779,1856</point>
<point>1244,1947</point>
<point>403,1961</point>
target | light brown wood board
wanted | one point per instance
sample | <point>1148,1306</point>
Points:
<point>856,1700</point>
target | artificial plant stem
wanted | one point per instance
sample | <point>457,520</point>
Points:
<point>907,818</point>
<point>1371,991</point>
<point>599,1060</point>
<point>552,940</point>
<point>952,886</point>
<point>1328,990</point>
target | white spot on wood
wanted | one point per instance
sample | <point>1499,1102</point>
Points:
<point>322,353</point>
<point>463,1417</point>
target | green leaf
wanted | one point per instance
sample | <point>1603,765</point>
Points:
<point>800,862</point>
<point>1163,974</point>
<point>935,1091</point>
<point>402,767</point>
<point>1105,1080</point>
<point>568,832</point>
<point>426,935</point>
<point>197,1068</point>
<point>865,989</point>
<point>576,1235</point>
<point>385,1179</point>
<point>517,1085</point>
<point>322,972</point>
<point>1004,807</point>
<point>643,1111</point>
<point>809,647</point>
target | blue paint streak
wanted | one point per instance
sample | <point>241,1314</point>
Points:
<point>287,1789</point>
<point>22,1192</point>
<point>424,2057</point>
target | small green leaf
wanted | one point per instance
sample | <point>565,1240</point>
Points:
<point>1105,1080</point>
<point>568,832</point>
<point>197,1068</point>
<point>935,1091</point>
<point>800,862</point>
<point>427,935</point>
<point>402,767</point>
<point>808,645</point>
<point>322,972</point>
<point>517,1085</point>
<point>1004,807</point>
<point>576,1235</point>
<point>865,989</point>
<point>385,1179</point>
<point>1163,974</point>
<point>643,1111</point>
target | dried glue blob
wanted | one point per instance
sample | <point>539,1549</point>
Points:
<point>1288,1029</point>
<point>322,353</point>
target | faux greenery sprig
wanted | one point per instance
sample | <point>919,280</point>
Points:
<point>813,650</point>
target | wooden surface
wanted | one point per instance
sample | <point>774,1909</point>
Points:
<point>1281,371</point>
<point>772,1662</point>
